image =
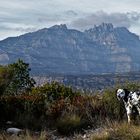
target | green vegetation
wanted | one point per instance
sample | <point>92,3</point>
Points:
<point>54,91</point>
<point>6,75</point>
<point>21,81</point>
<point>56,106</point>
<point>69,123</point>
<point>15,78</point>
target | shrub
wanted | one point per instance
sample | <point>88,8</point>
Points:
<point>88,107</point>
<point>130,85</point>
<point>56,108</point>
<point>6,75</point>
<point>10,107</point>
<point>113,108</point>
<point>55,91</point>
<point>70,123</point>
<point>25,110</point>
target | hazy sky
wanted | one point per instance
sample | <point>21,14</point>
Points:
<point>21,16</point>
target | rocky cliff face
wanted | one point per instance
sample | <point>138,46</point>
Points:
<point>58,49</point>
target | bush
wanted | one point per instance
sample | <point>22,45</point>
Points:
<point>113,108</point>
<point>70,123</point>
<point>6,75</point>
<point>55,91</point>
<point>10,107</point>
<point>132,86</point>
<point>24,110</point>
<point>89,108</point>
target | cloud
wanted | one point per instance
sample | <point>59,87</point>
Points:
<point>61,17</point>
<point>8,29</point>
<point>16,27</point>
<point>18,17</point>
<point>133,16</point>
<point>70,13</point>
<point>20,29</point>
<point>117,19</point>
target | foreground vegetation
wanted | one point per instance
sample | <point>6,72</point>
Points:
<point>118,131</point>
<point>57,107</point>
<point>110,131</point>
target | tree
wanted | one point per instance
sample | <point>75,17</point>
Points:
<point>6,75</point>
<point>21,81</point>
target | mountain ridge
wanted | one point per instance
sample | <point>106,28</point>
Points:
<point>101,49</point>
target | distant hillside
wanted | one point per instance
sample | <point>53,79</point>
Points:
<point>91,82</point>
<point>58,49</point>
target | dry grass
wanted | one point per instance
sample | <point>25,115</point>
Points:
<point>118,131</point>
<point>111,131</point>
<point>27,136</point>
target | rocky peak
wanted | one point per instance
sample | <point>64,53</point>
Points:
<point>101,34</point>
<point>59,27</point>
<point>104,27</point>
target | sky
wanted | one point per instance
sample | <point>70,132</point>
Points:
<point>18,17</point>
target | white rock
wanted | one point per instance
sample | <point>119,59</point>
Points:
<point>9,122</point>
<point>84,136</point>
<point>14,130</point>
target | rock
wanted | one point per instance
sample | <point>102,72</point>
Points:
<point>9,122</point>
<point>15,131</point>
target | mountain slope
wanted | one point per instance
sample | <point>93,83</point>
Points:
<point>58,49</point>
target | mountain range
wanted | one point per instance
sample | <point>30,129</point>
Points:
<point>101,49</point>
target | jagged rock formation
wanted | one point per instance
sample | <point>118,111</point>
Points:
<point>58,49</point>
